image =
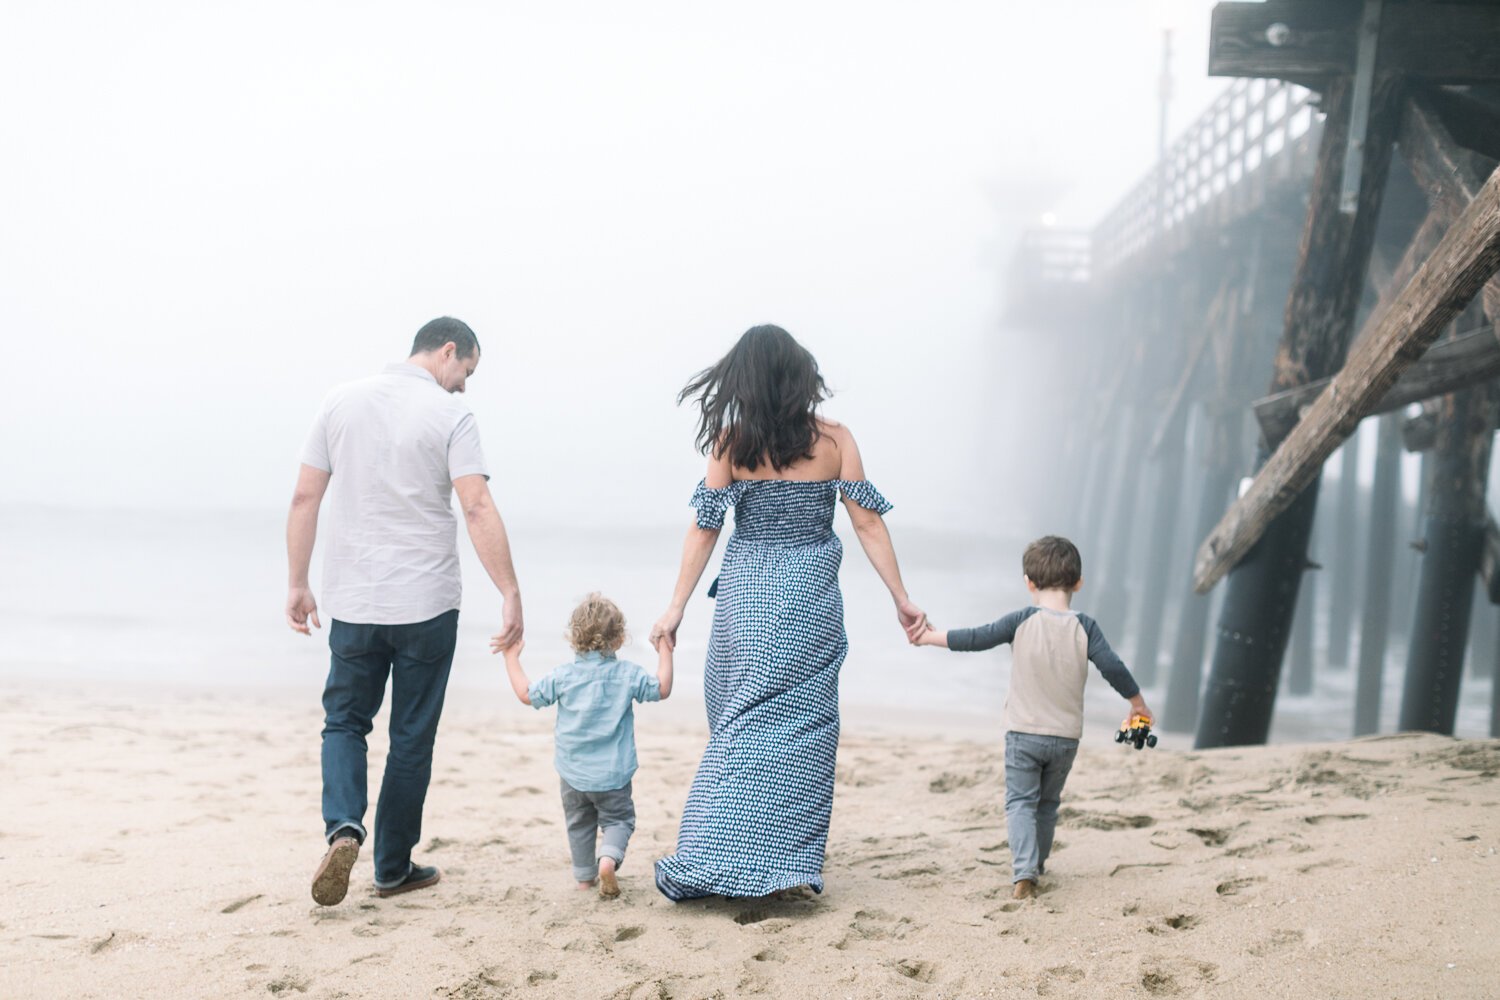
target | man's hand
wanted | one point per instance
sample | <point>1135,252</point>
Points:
<point>300,609</point>
<point>512,626</point>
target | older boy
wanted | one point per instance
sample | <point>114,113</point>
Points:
<point>1051,647</point>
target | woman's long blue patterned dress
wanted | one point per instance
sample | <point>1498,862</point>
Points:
<point>756,818</point>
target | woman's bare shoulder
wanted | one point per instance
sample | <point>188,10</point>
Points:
<point>835,430</point>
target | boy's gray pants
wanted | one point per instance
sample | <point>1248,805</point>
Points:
<point>587,813</point>
<point>1035,769</point>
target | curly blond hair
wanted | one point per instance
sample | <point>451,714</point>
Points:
<point>597,625</point>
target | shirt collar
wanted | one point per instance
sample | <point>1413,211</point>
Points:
<point>410,370</point>
<point>594,656</point>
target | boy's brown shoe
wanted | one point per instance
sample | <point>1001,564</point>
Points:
<point>331,881</point>
<point>1025,889</point>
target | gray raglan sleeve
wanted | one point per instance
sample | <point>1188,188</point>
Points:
<point>1107,660</point>
<point>996,633</point>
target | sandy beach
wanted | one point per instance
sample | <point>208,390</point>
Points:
<point>160,845</point>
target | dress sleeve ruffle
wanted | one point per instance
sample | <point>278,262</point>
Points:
<point>865,494</point>
<point>713,504</point>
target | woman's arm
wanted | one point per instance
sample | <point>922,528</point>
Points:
<point>870,529</point>
<point>697,548</point>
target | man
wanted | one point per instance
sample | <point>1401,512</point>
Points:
<point>391,446</point>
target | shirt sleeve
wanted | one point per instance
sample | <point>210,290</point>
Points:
<point>315,449</point>
<point>465,456</point>
<point>543,691</point>
<point>1107,660</point>
<point>646,687</point>
<point>996,633</point>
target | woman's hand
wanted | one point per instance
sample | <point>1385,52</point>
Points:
<point>665,628</point>
<point>913,619</point>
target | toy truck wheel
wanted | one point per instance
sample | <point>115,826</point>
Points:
<point>1120,736</point>
<point>1151,741</point>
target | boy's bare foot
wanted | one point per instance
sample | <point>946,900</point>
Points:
<point>585,886</point>
<point>1025,889</point>
<point>609,887</point>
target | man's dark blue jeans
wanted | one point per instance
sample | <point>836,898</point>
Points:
<point>417,659</point>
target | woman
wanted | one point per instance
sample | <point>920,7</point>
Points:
<point>756,819</point>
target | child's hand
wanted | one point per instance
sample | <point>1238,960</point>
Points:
<point>1138,709</point>
<point>514,649</point>
<point>931,637</point>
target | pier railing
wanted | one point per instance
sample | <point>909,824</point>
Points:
<point>1258,139</point>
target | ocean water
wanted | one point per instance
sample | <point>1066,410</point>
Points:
<point>193,600</point>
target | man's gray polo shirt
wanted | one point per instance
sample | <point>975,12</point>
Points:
<point>394,443</point>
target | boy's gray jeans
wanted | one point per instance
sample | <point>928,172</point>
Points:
<point>587,813</point>
<point>1035,769</point>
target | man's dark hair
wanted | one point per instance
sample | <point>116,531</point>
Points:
<point>1052,563</point>
<point>443,330</point>
<point>759,403</point>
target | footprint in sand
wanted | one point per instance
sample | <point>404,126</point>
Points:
<point>629,933</point>
<point>1068,816</point>
<point>1117,869</point>
<point>521,790</point>
<point>1211,837</point>
<point>240,904</point>
<point>1057,975</point>
<point>1234,886</point>
<point>1330,817</point>
<point>915,969</point>
<point>768,955</point>
<point>1279,940</point>
<point>950,782</point>
<point>288,983</point>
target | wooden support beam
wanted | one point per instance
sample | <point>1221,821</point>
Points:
<point>1178,397</point>
<point>1467,257</point>
<point>1460,363</point>
<point>1309,40</point>
<point>1473,122</point>
<point>1450,175</point>
<point>1489,559</point>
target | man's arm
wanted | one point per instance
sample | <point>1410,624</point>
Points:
<point>301,532</point>
<point>487,533</point>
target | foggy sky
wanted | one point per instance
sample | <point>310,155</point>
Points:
<point>212,214</point>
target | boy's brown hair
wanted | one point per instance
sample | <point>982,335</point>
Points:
<point>1052,563</point>
<point>597,625</point>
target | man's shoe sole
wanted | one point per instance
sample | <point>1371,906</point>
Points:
<point>331,881</point>
<point>397,890</point>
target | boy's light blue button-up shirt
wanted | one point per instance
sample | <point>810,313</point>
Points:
<point>595,696</point>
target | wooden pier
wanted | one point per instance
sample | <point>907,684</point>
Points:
<point>1318,248</point>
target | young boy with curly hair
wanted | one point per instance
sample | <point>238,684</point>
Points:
<point>1051,646</point>
<point>595,734</point>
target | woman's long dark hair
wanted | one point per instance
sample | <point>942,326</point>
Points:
<point>760,402</point>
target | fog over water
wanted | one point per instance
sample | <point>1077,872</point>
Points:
<point>213,215</point>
